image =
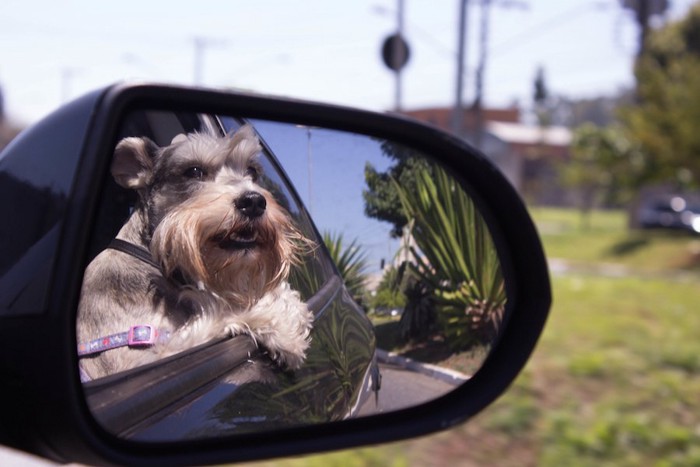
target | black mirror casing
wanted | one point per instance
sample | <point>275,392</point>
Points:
<point>43,409</point>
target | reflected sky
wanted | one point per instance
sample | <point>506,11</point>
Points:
<point>327,169</point>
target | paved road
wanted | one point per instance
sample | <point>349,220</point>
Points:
<point>403,388</point>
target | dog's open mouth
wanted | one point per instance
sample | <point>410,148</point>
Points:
<point>244,239</point>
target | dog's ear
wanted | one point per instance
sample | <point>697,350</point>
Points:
<point>244,142</point>
<point>181,138</point>
<point>132,164</point>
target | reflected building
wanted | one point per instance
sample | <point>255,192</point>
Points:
<point>527,154</point>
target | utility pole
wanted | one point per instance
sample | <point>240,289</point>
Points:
<point>480,70</point>
<point>395,53</point>
<point>397,44</point>
<point>485,19</point>
<point>643,11</point>
<point>309,165</point>
<point>200,46</point>
<point>67,75</point>
<point>458,111</point>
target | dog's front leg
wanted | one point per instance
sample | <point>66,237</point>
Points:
<point>281,323</point>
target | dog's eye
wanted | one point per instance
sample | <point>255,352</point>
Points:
<point>252,172</point>
<point>195,172</point>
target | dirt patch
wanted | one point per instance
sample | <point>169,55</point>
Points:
<point>433,350</point>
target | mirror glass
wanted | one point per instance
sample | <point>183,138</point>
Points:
<point>249,275</point>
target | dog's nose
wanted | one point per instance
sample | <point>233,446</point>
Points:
<point>251,204</point>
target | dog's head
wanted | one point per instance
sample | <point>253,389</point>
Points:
<point>204,214</point>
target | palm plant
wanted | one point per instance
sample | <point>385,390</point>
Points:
<point>351,262</point>
<point>453,254</point>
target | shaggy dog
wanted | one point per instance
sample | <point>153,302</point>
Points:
<point>205,253</point>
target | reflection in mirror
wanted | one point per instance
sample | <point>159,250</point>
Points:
<point>267,275</point>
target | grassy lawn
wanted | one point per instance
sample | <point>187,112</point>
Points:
<point>607,240</point>
<point>615,379</point>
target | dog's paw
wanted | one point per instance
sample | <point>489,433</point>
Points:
<point>290,360</point>
<point>281,324</point>
<point>237,329</point>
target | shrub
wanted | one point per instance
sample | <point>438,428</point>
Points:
<point>453,256</point>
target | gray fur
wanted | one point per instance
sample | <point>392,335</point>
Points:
<point>245,292</point>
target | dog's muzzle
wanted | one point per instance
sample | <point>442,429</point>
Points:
<point>251,204</point>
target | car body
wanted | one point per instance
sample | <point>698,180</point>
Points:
<point>675,212</point>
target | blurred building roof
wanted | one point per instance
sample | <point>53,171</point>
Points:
<point>442,116</point>
<point>519,133</point>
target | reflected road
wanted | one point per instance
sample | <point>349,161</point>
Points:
<point>403,388</point>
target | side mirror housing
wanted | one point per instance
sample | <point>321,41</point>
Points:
<point>61,167</point>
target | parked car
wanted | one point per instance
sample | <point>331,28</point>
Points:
<point>676,212</point>
<point>225,400</point>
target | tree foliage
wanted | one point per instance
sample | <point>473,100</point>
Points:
<point>381,198</point>
<point>602,166</point>
<point>455,260</point>
<point>388,293</point>
<point>663,121</point>
<point>351,262</point>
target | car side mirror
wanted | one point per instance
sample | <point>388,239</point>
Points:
<point>97,368</point>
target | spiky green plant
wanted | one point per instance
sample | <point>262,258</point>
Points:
<point>351,262</point>
<point>452,252</point>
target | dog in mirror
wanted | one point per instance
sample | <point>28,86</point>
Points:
<point>205,253</point>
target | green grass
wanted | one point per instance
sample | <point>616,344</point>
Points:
<point>386,456</point>
<point>615,379</point>
<point>607,240</point>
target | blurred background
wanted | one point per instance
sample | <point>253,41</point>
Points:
<point>589,107</point>
<point>582,49</point>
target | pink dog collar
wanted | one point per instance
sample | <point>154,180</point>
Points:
<point>142,335</point>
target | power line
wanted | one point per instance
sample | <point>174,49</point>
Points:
<point>545,27</point>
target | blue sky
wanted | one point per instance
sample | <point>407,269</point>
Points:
<point>52,51</point>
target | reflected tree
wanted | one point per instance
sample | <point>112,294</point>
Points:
<point>351,262</point>
<point>450,272</point>
<point>453,256</point>
<point>381,198</point>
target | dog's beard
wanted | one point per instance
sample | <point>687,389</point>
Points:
<point>211,245</point>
